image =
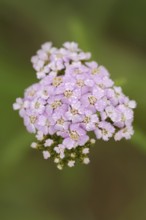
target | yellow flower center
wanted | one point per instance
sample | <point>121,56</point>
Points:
<point>105,132</point>
<point>45,92</point>
<point>32,93</point>
<point>95,71</point>
<point>87,119</point>
<point>37,105</point>
<point>68,93</point>
<point>80,83</point>
<point>56,104</point>
<point>74,111</point>
<point>74,135</point>
<point>57,81</point>
<point>92,100</point>
<point>60,121</point>
<point>32,119</point>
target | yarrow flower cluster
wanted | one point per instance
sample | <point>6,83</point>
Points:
<point>72,98</point>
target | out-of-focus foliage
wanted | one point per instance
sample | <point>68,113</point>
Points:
<point>113,186</point>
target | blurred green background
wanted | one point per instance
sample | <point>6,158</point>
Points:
<point>113,186</point>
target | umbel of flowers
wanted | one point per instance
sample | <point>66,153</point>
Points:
<point>73,97</point>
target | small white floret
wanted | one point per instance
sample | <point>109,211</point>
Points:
<point>92,141</point>
<point>40,136</point>
<point>73,155</point>
<point>48,143</point>
<point>86,160</point>
<point>59,166</point>
<point>71,163</point>
<point>56,160</point>
<point>46,154</point>
<point>132,104</point>
<point>34,145</point>
<point>85,150</point>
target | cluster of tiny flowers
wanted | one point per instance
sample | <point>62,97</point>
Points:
<point>73,97</point>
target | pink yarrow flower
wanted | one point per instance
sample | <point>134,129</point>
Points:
<point>72,98</point>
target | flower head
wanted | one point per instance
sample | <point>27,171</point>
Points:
<point>74,96</point>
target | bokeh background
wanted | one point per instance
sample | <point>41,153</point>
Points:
<point>113,186</point>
